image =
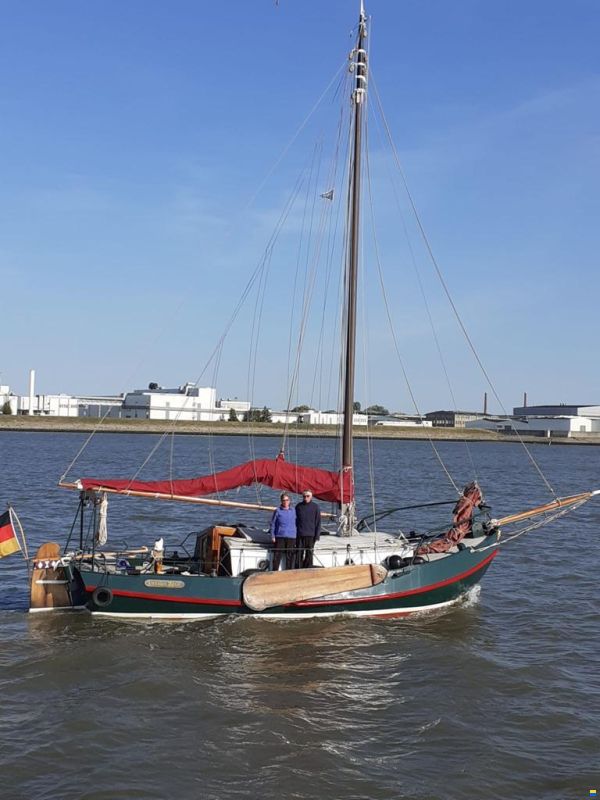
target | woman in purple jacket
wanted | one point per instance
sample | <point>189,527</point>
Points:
<point>283,533</point>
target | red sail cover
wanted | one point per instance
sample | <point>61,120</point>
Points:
<point>462,517</point>
<point>276,473</point>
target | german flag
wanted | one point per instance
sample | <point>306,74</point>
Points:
<point>8,539</point>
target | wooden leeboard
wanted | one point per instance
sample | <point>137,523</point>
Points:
<point>48,595</point>
<point>267,589</point>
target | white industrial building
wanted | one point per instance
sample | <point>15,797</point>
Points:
<point>283,417</point>
<point>239,406</point>
<point>60,405</point>
<point>6,397</point>
<point>453,419</point>
<point>100,406</point>
<point>49,405</point>
<point>545,424</point>
<point>561,426</point>
<point>186,403</point>
<point>199,404</point>
<point>560,410</point>
<point>404,422</point>
<point>312,417</point>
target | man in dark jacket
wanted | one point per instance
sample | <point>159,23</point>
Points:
<point>308,528</point>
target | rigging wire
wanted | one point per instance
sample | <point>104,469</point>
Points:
<point>314,251</point>
<point>303,124</point>
<point>392,329</point>
<point>254,342</point>
<point>328,267</point>
<point>337,327</point>
<point>545,520</point>
<point>421,286</point>
<point>211,459</point>
<point>239,305</point>
<point>366,327</point>
<point>366,376</point>
<point>306,293</point>
<point>340,70</point>
<point>293,309</point>
<point>309,291</point>
<point>171,453</point>
<point>447,291</point>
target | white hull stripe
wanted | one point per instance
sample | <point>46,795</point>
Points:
<point>300,615</point>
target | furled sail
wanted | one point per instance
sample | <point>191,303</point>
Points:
<point>462,517</point>
<point>277,473</point>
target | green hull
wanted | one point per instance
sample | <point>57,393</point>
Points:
<point>416,588</point>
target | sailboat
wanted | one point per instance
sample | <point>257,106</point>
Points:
<point>226,568</point>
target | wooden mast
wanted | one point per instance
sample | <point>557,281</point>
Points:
<point>359,65</point>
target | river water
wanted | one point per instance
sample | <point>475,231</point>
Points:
<point>498,697</point>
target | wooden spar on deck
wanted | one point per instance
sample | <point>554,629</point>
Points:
<point>555,505</point>
<point>268,589</point>
<point>208,501</point>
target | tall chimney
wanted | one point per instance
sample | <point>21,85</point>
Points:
<point>524,399</point>
<point>484,404</point>
<point>31,389</point>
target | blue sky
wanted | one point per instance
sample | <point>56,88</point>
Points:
<point>133,136</point>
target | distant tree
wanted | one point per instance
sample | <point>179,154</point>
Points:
<point>379,411</point>
<point>300,409</point>
<point>6,408</point>
<point>153,386</point>
<point>257,415</point>
<point>356,407</point>
<point>233,417</point>
<point>253,415</point>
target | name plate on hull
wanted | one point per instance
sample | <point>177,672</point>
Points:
<point>156,584</point>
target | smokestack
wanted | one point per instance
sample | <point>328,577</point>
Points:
<point>31,389</point>
<point>524,399</point>
<point>484,404</point>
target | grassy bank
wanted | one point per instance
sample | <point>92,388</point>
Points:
<point>87,425</point>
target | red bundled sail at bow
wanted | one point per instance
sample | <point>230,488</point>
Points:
<point>462,517</point>
<point>276,473</point>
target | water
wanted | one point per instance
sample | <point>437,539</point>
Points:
<point>496,698</point>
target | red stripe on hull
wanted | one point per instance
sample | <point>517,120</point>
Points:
<point>396,595</point>
<point>143,596</point>
<point>209,601</point>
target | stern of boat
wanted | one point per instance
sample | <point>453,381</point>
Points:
<point>54,585</point>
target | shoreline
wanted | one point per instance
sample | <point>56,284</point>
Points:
<point>140,426</point>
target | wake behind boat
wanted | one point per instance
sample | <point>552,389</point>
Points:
<point>228,568</point>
